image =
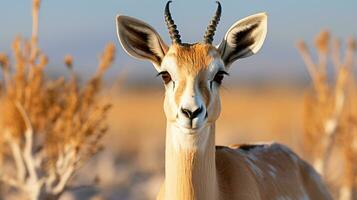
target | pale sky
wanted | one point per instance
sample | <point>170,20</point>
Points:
<point>83,27</point>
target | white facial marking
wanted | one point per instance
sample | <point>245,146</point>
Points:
<point>184,139</point>
<point>169,64</point>
<point>192,100</point>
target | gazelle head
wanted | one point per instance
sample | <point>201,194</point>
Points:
<point>192,73</point>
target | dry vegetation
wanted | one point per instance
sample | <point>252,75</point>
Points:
<point>49,127</point>
<point>330,118</point>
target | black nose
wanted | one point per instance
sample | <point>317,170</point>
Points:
<point>191,115</point>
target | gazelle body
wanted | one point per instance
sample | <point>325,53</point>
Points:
<point>194,167</point>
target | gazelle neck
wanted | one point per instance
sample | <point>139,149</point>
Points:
<point>190,169</point>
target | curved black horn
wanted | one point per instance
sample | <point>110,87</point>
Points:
<point>208,38</point>
<point>174,33</point>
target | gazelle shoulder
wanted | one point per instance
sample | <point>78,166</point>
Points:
<point>272,154</point>
<point>271,158</point>
<point>257,148</point>
<point>265,165</point>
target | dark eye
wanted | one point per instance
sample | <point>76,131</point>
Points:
<point>219,77</point>
<point>165,76</point>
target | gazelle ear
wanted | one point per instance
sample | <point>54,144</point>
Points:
<point>244,38</point>
<point>140,40</point>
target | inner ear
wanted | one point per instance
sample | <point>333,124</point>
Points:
<point>141,43</point>
<point>140,40</point>
<point>244,38</point>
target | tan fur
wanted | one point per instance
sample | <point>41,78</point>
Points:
<point>180,89</point>
<point>192,60</point>
<point>239,172</point>
<point>269,171</point>
<point>190,173</point>
<point>265,172</point>
<point>194,168</point>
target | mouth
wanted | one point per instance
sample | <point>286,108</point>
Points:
<point>189,131</point>
<point>189,127</point>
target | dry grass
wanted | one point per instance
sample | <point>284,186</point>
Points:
<point>330,112</point>
<point>49,127</point>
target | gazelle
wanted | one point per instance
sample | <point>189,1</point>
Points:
<point>192,73</point>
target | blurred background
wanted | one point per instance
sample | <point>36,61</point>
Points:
<point>81,27</point>
<point>263,99</point>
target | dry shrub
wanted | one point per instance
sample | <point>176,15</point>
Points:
<point>48,127</point>
<point>330,134</point>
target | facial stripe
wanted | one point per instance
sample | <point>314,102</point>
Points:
<point>205,93</point>
<point>192,68</point>
<point>180,89</point>
<point>190,61</point>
